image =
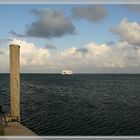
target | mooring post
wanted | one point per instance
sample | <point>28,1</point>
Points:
<point>15,80</point>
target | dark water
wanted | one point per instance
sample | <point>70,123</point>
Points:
<point>81,104</point>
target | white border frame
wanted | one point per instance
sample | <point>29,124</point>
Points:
<point>69,137</point>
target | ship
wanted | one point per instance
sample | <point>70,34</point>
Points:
<point>67,72</point>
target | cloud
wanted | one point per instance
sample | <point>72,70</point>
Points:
<point>5,41</point>
<point>16,34</point>
<point>55,23</point>
<point>49,24</point>
<point>32,55</point>
<point>133,7</point>
<point>82,50</point>
<point>130,1</point>
<point>50,46</point>
<point>109,42</point>
<point>119,55</point>
<point>1,53</point>
<point>128,31</point>
<point>4,59</point>
<point>93,57</point>
<point>92,13</point>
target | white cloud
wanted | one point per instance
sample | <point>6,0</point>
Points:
<point>128,31</point>
<point>121,55</point>
<point>32,55</point>
<point>4,60</point>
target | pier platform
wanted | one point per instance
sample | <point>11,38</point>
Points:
<point>17,129</point>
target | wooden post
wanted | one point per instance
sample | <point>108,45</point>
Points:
<point>15,80</point>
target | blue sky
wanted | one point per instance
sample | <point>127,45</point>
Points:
<point>16,17</point>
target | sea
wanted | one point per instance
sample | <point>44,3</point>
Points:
<point>78,104</point>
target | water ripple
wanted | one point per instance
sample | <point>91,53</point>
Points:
<point>52,104</point>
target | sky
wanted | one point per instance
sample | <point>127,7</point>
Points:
<point>85,38</point>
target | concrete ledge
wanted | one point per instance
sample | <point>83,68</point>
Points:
<point>17,129</point>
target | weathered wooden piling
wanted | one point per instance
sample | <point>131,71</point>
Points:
<point>14,127</point>
<point>15,80</point>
